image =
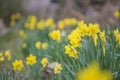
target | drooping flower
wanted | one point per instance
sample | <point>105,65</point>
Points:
<point>71,51</point>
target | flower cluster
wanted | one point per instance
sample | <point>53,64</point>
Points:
<point>6,55</point>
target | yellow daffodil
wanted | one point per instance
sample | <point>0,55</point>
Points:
<point>71,51</point>
<point>38,44</point>
<point>30,24</point>
<point>50,23</point>
<point>18,65</point>
<point>31,60</point>
<point>61,25</point>
<point>44,62</point>
<point>93,29</point>
<point>117,14</point>
<point>57,69</point>
<point>44,45</point>
<point>8,55</point>
<point>55,35</point>
<point>1,57</point>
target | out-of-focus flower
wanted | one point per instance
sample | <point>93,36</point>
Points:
<point>67,22</point>
<point>38,44</point>
<point>22,34</point>
<point>12,23</point>
<point>30,24</point>
<point>94,72</point>
<point>1,57</point>
<point>24,45</point>
<point>31,60</point>
<point>44,45</point>
<point>116,32</point>
<point>61,25</point>
<point>117,14</point>
<point>73,21</point>
<point>41,25</point>
<point>50,23</point>
<point>14,18</point>
<point>8,54</point>
<point>57,69</point>
<point>55,35</point>
<point>44,62</point>
<point>18,65</point>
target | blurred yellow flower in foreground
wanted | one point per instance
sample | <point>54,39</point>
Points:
<point>44,62</point>
<point>93,72</point>
<point>1,57</point>
<point>117,14</point>
<point>55,35</point>
<point>31,60</point>
<point>18,65</point>
<point>57,69</point>
<point>8,55</point>
<point>38,44</point>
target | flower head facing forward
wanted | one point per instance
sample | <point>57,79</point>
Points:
<point>55,35</point>
<point>31,60</point>
<point>18,65</point>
